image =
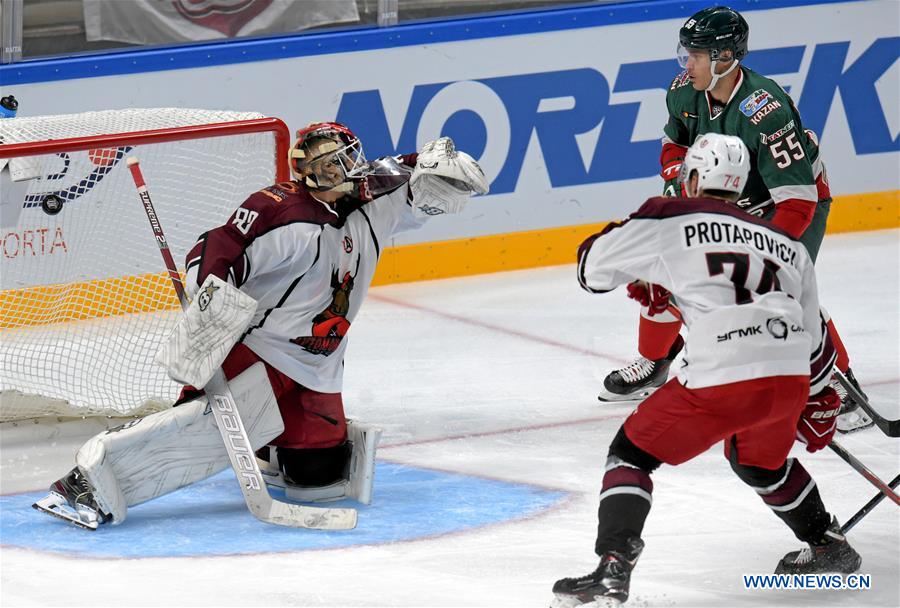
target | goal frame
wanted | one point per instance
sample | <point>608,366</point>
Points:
<point>156,136</point>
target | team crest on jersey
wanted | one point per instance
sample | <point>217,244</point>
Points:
<point>754,102</point>
<point>680,80</point>
<point>348,244</point>
<point>330,325</point>
<point>206,295</point>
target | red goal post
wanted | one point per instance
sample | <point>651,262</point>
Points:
<point>84,301</point>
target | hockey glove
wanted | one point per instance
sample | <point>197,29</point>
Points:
<point>444,178</point>
<point>654,297</point>
<point>670,159</point>
<point>819,420</point>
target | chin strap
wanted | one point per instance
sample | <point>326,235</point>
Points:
<point>715,77</point>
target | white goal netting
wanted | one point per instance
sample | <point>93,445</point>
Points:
<point>84,298</point>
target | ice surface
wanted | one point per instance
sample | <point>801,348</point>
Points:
<point>496,377</point>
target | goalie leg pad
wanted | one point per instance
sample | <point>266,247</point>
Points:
<point>358,475</point>
<point>163,452</point>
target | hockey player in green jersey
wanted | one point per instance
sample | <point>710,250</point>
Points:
<point>787,183</point>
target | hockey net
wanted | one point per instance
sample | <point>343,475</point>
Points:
<point>84,298</point>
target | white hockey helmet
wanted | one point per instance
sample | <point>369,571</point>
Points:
<point>722,163</point>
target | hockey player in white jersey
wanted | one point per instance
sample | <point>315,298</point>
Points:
<point>757,365</point>
<point>296,259</point>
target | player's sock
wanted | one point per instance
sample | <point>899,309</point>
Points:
<point>625,500</point>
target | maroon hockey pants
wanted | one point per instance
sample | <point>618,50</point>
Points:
<point>675,424</point>
<point>311,419</point>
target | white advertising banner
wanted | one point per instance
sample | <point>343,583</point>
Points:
<point>566,123</point>
<point>154,22</point>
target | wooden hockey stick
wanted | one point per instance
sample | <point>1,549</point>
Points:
<point>864,471</point>
<point>891,428</point>
<point>228,419</point>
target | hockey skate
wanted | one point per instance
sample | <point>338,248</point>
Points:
<point>605,586</point>
<point>637,380</point>
<point>833,554</point>
<point>72,499</point>
<point>852,417</point>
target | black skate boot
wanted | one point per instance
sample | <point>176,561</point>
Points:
<point>605,586</point>
<point>851,417</point>
<point>640,378</point>
<point>832,554</point>
<point>72,499</point>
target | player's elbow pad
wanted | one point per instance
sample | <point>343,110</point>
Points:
<point>794,216</point>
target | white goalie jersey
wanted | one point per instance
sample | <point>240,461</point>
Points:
<point>308,266</point>
<point>746,290</point>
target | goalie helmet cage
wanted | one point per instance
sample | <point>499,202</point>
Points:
<point>84,300</point>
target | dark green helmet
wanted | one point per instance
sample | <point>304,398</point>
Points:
<point>716,29</point>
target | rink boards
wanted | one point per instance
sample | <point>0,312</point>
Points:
<point>562,109</point>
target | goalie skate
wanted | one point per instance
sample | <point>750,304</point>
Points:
<point>71,500</point>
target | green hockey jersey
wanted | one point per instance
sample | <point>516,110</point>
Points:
<point>784,158</point>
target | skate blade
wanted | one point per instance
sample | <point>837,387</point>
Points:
<point>606,397</point>
<point>56,505</point>
<point>853,421</point>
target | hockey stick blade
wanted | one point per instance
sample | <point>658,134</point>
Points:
<point>891,428</point>
<point>228,419</point>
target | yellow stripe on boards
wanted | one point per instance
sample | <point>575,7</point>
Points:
<point>553,246</point>
<point>857,212</point>
<point>436,260</point>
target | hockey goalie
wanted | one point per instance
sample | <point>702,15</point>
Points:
<point>274,292</point>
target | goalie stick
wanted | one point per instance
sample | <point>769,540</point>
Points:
<point>891,428</point>
<point>228,419</point>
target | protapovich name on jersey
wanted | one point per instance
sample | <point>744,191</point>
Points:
<point>700,233</point>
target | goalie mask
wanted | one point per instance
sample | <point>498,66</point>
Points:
<point>715,30</point>
<point>327,156</point>
<point>721,162</point>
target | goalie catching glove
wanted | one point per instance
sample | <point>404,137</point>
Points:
<point>204,336</point>
<point>444,179</point>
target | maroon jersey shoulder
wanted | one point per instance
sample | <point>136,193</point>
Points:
<point>282,204</point>
<point>661,207</point>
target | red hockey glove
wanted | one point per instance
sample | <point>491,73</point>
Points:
<point>670,159</point>
<point>819,420</point>
<point>654,297</point>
